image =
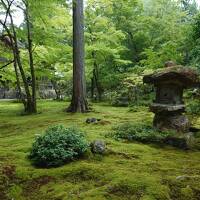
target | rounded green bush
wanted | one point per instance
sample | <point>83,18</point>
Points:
<point>57,146</point>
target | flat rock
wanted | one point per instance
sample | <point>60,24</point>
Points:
<point>157,107</point>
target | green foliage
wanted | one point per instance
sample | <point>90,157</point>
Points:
<point>193,107</point>
<point>138,132</point>
<point>120,35</point>
<point>57,146</point>
<point>155,59</point>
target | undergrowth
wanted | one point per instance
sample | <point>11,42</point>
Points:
<point>139,132</point>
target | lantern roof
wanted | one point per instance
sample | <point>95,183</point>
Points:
<point>176,74</point>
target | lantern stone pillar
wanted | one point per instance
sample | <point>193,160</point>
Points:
<point>168,105</point>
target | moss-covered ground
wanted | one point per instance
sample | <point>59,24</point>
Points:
<point>131,171</point>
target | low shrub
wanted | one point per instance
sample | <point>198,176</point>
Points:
<point>139,132</point>
<point>57,146</point>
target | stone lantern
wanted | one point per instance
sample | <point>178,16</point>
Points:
<point>169,105</point>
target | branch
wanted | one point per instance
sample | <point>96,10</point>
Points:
<point>7,10</point>
<point>6,64</point>
<point>34,48</point>
<point>18,6</point>
<point>6,28</point>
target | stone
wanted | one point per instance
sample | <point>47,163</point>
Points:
<point>170,64</point>
<point>176,142</point>
<point>92,120</point>
<point>168,105</point>
<point>156,107</point>
<point>181,178</point>
<point>98,147</point>
<point>183,76</point>
<point>172,121</point>
<point>182,141</point>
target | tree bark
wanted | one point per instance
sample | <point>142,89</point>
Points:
<point>31,64</point>
<point>79,101</point>
<point>92,88</point>
<point>28,103</point>
<point>95,78</point>
<point>57,90</point>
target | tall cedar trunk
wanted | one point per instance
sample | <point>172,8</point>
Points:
<point>31,64</point>
<point>79,101</point>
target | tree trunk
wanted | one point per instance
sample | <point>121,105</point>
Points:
<point>57,90</point>
<point>21,97</point>
<point>95,78</point>
<point>28,107</point>
<point>28,103</point>
<point>31,64</point>
<point>79,101</point>
<point>97,83</point>
<point>92,88</point>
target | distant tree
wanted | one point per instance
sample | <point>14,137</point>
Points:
<point>190,6</point>
<point>29,99</point>
<point>79,101</point>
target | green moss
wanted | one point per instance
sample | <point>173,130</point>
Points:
<point>187,193</point>
<point>15,192</point>
<point>127,171</point>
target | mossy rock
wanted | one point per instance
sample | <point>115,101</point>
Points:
<point>184,141</point>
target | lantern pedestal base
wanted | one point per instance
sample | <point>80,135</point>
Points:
<point>171,121</point>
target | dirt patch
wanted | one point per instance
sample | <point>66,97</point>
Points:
<point>104,122</point>
<point>3,193</point>
<point>124,191</point>
<point>82,175</point>
<point>196,193</point>
<point>123,155</point>
<point>7,178</point>
<point>35,184</point>
<point>9,171</point>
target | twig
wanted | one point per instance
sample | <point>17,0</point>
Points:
<point>6,64</point>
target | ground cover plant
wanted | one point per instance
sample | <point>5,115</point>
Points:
<point>139,132</point>
<point>128,171</point>
<point>57,146</point>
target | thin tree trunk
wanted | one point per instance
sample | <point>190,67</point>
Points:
<point>79,101</point>
<point>18,84</point>
<point>98,87</point>
<point>31,64</point>
<point>92,88</point>
<point>57,91</point>
<point>97,83</point>
<point>28,107</point>
<point>16,54</point>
